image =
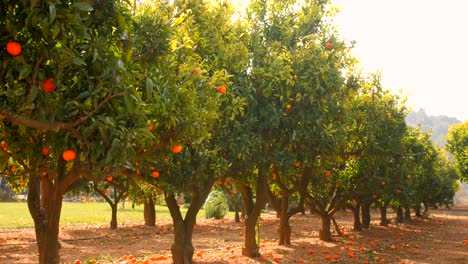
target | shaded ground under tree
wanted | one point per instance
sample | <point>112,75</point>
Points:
<point>221,241</point>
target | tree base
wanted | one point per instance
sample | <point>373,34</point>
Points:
<point>251,253</point>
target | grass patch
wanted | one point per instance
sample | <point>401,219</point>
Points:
<point>16,214</point>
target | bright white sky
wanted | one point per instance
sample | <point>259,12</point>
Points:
<point>420,46</point>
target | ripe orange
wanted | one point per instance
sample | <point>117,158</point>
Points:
<point>383,183</point>
<point>177,149</point>
<point>288,106</point>
<point>328,45</point>
<point>222,89</point>
<point>195,71</point>
<point>389,114</point>
<point>327,173</point>
<point>13,169</point>
<point>69,154</point>
<point>109,178</point>
<point>4,145</point>
<point>45,151</point>
<point>155,174</point>
<point>374,196</point>
<point>398,191</point>
<point>297,164</point>
<point>151,127</point>
<point>14,48</point>
<point>49,85</point>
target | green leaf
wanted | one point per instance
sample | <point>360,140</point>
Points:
<point>83,6</point>
<point>25,71</point>
<point>149,88</point>
<point>78,61</point>
<point>52,13</point>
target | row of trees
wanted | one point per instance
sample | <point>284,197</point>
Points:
<point>176,96</point>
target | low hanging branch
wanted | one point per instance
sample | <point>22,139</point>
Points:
<point>18,119</point>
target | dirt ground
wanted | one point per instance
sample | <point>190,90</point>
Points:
<point>443,238</point>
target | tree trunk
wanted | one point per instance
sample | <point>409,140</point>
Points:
<point>149,212</point>
<point>417,211</point>
<point>113,222</point>
<point>325,233</point>
<point>366,216</point>
<point>426,209</point>
<point>284,229</point>
<point>237,216</point>
<point>182,248</point>
<point>399,215</point>
<point>46,217</point>
<point>357,219</point>
<point>407,215</point>
<point>383,214</point>
<point>251,248</point>
<point>337,228</point>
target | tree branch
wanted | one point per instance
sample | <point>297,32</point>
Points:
<point>18,119</point>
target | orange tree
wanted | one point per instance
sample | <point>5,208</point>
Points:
<point>457,144</point>
<point>294,87</point>
<point>193,104</point>
<point>428,177</point>
<point>377,127</point>
<point>67,89</point>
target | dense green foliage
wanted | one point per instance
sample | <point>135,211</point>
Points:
<point>457,144</point>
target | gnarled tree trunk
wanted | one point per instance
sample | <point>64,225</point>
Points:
<point>407,215</point>
<point>149,212</point>
<point>417,211</point>
<point>365,214</point>
<point>325,232</point>
<point>383,214</point>
<point>357,218</point>
<point>284,229</point>
<point>253,210</point>
<point>182,248</point>
<point>399,214</point>
<point>45,199</point>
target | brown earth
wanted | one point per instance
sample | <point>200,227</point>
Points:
<point>442,238</point>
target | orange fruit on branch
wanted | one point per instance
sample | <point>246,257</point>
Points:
<point>14,48</point>
<point>155,174</point>
<point>69,155</point>
<point>327,173</point>
<point>49,85</point>
<point>328,45</point>
<point>222,89</point>
<point>45,151</point>
<point>4,145</point>
<point>177,149</point>
<point>109,178</point>
<point>288,106</point>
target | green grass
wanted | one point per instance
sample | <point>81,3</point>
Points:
<point>16,214</point>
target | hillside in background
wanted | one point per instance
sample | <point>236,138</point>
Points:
<point>438,125</point>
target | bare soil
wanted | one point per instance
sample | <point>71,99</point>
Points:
<point>441,238</point>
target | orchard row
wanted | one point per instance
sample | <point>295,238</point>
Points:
<point>171,97</point>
